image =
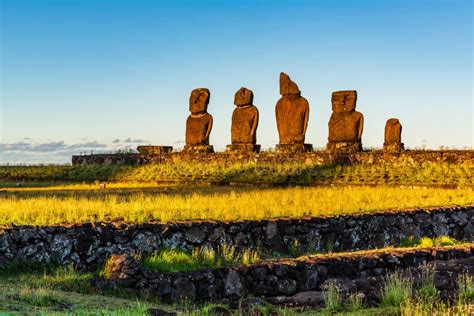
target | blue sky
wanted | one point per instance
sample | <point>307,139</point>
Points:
<point>78,75</point>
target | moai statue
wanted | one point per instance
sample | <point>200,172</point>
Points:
<point>393,136</point>
<point>292,115</point>
<point>346,124</point>
<point>244,123</point>
<point>199,123</point>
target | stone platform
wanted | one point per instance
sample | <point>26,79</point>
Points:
<point>393,148</point>
<point>154,150</point>
<point>246,148</point>
<point>294,148</point>
<point>201,149</point>
<point>343,148</point>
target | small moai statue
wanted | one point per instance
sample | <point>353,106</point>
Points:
<point>393,136</point>
<point>346,124</point>
<point>244,123</point>
<point>292,115</point>
<point>199,123</point>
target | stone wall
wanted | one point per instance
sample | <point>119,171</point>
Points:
<point>88,245</point>
<point>315,157</point>
<point>279,279</point>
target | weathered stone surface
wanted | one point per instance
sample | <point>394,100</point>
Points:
<point>199,100</point>
<point>194,150</point>
<point>244,118</point>
<point>243,96</point>
<point>183,288</point>
<point>195,235</point>
<point>309,298</point>
<point>345,125</point>
<point>289,149</point>
<point>393,131</point>
<point>199,123</point>
<point>154,150</point>
<point>393,136</point>
<point>232,284</point>
<point>287,86</point>
<point>292,112</point>
<point>243,148</point>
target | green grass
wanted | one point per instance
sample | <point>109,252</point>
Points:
<point>396,290</point>
<point>35,289</point>
<point>173,260</point>
<point>397,173</point>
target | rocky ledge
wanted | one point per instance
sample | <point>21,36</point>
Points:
<point>298,281</point>
<point>88,245</point>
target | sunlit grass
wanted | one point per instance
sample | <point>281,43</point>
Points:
<point>225,203</point>
<point>396,173</point>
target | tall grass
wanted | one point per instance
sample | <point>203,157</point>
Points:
<point>401,173</point>
<point>396,290</point>
<point>219,204</point>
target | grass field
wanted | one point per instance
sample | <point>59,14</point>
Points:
<point>46,195</point>
<point>41,290</point>
<point>46,207</point>
<point>428,173</point>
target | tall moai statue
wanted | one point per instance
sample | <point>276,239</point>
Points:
<point>199,123</point>
<point>346,124</point>
<point>393,136</point>
<point>292,115</point>
<point>244,123</point>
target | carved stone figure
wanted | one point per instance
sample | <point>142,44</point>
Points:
<point>199,123</point>
<point>292,115</point>
<point>346,124</point>
<point>244,122</point>
<point>393,136</point>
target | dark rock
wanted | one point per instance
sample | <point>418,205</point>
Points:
<point>195,235</point>
<point>183,288</point>
<point>309,298</point>
<point>232,284</point>
<point>286,286</point>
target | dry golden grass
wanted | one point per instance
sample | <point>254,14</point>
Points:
<point>216,203</point>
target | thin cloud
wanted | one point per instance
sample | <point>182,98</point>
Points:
<point>49,147</point>
<point>19,146</point>
<point>135,141</point>
<point>87,145</point>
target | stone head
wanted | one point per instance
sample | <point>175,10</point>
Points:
<point>344,101</point>
<point>287,86</point>
<point>199,100</point>
<point>392,122</point>
<point>243,97</point>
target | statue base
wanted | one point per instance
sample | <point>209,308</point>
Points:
<point>154,150</point>
<point>294,148</point>
<point>393,148</point>
<point>198,149</point>
<point>343,148</point>
<point>243,148</point>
